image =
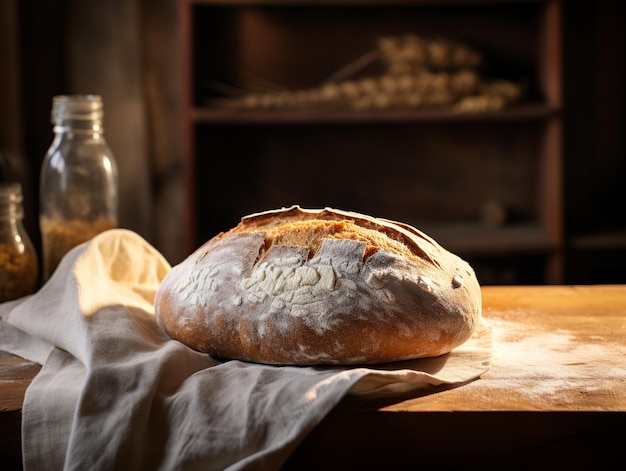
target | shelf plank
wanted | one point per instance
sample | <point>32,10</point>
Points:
<point>600,241</point>
<point>354,3</point>
<point>475,239</point>
<point>210,115</point>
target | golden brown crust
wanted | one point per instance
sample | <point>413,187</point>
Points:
<point>306,287</point>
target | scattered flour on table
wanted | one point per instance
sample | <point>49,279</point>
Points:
<point>559,361</point>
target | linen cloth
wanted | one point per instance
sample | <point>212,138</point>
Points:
<point>115,392</point>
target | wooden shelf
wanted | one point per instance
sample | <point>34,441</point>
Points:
<point>523,112</point>
<point>410,165</point>
<point>475,239</point>
<point>353,3</point>
<point>609,240</point>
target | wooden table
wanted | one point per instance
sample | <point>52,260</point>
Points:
<point>555,396</point>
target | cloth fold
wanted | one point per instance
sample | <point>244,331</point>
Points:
<point>115,392</point>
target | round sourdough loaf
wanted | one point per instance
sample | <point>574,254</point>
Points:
<point>305,287</point>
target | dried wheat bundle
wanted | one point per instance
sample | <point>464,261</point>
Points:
<point>410,53</point>
<point>419,73</point>
<point>491,96</point>
<point>387,91</point>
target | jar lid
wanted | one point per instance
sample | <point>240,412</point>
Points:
<point>81,107</point>
<point>11,192</point>
<point>11,200</point>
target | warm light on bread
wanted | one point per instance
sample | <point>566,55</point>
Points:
<point>304,287</point>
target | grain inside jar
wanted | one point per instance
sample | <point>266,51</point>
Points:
<point>59,237</point>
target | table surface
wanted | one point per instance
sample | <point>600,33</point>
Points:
<point>557,349</point>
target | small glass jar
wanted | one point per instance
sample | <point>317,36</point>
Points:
<point>78,181</point>
<point>18,259</point>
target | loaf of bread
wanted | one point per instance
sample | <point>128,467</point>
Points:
<point>306,287</point>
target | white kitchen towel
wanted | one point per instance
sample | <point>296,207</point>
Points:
<point>115,392</point>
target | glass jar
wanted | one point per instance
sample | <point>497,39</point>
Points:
<point>18,259</point>
<point>78,182</point>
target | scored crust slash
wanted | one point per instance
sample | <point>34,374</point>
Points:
<point>302,287</point>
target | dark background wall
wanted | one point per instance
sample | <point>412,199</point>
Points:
<point>129,52</point>
<point>594,82</point>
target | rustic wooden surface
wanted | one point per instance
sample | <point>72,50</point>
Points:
<point>554,395</point>
<point>15,376</point>
<point>555,349</point>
